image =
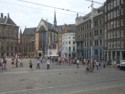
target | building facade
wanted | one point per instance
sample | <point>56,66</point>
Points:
<point>68,45</point>
<point>62,29</point>
<point>27,42</point>
<point>115,29</point>
<point>90,35</point>
<point>46,38</point>
<point>9,32</point>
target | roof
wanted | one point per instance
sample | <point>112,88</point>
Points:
<point>6,20</point>
<point>49,26</point>
<point>69,26</point>
<point>29,31</point>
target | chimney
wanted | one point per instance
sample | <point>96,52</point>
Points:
<point>1,15</point>
<point>8,15</point>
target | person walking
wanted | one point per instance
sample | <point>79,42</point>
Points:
<point>30,65</point>
<point>38,64</point>
<point>12,62</point>
<point>21,62</point>
<point>77,63</point>
<point>97,65</point>
<point>48,63</point>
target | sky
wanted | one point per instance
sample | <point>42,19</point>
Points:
<point>29,15</point>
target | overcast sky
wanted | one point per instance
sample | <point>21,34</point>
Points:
<point>29,15</point>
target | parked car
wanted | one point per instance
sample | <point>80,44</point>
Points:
<point>121,65</point>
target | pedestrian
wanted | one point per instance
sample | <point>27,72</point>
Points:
<point>21,62</point>
<point>48,63</point>
<point>38,64</point>
<point>16,63</point>
<point>12,63</point>
<point>97,65</point>
<point>4,63</point>
<point>30,65</point>
<point>77,63</point>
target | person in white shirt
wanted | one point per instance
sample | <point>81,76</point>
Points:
<point>77,63</point>
<point>48,63</point>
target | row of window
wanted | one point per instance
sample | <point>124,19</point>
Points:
<point>115,44</point>
<point>68,42</point>
<point>69,49</point>
<point>86,44</point>
<point>116,34</point>
<point>98,32</point>
<point>113,4</point>
<point>89,34</point>
<point>88,26</point>
<point>114,14</point>
<point>115,23</point>
<point>8,48</point>
<point>84,27</point>
<point>64,38</point>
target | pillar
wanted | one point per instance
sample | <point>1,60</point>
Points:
<point>116,56</point>
<point>107,56</point>
<point>121,57</point>
<point>111,56</point>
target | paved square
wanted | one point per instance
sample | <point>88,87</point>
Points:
<point>60,79</point>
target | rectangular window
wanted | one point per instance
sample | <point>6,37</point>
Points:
<point>118,2</point>
<point>122,1</point>
<point>118,44</point>
<point>100,42</point>
<point>122,22</point>
<point>114,3</point>
<point>122,33</point>
<point>115,34</point>
<point>69,42</point>
<point>73,48</point>
<point>100,31</point>
<point>118,23</point>
<point>69,49</point>
<point>115,24</point>
<point>122,44</point>
<point>115,44</point>
<point>115,13</point>
<point>109,6</point>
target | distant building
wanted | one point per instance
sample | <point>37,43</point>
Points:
<point>68,45</point>
<point>27,42</point>
<point>9,32</point>
<point>90,38</point>
<point>115,29</point>
<point>41,40</point>
<point>46,38</point>
<point>62,29</point>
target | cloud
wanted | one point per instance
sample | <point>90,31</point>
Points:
<point>26,14</point>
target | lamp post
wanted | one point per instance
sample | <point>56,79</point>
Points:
<point>92,25</point>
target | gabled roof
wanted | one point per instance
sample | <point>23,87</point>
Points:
<point>7,21</point>
<point>47,26</point>
<point>29,31</point>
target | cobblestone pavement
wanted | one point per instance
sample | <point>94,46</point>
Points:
<point>61,79</point>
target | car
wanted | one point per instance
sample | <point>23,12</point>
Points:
<point>121,65</point>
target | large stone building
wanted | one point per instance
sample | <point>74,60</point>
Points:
<point>90,35</point>
<point>115,29</point>
<point>46,39</point>
<point>27,42</point>
<point>9,32</point>
<point>41,40</point>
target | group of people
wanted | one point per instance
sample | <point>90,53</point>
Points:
<point>17,62</point>
<point>3,63</point>
<point>39,61</point>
